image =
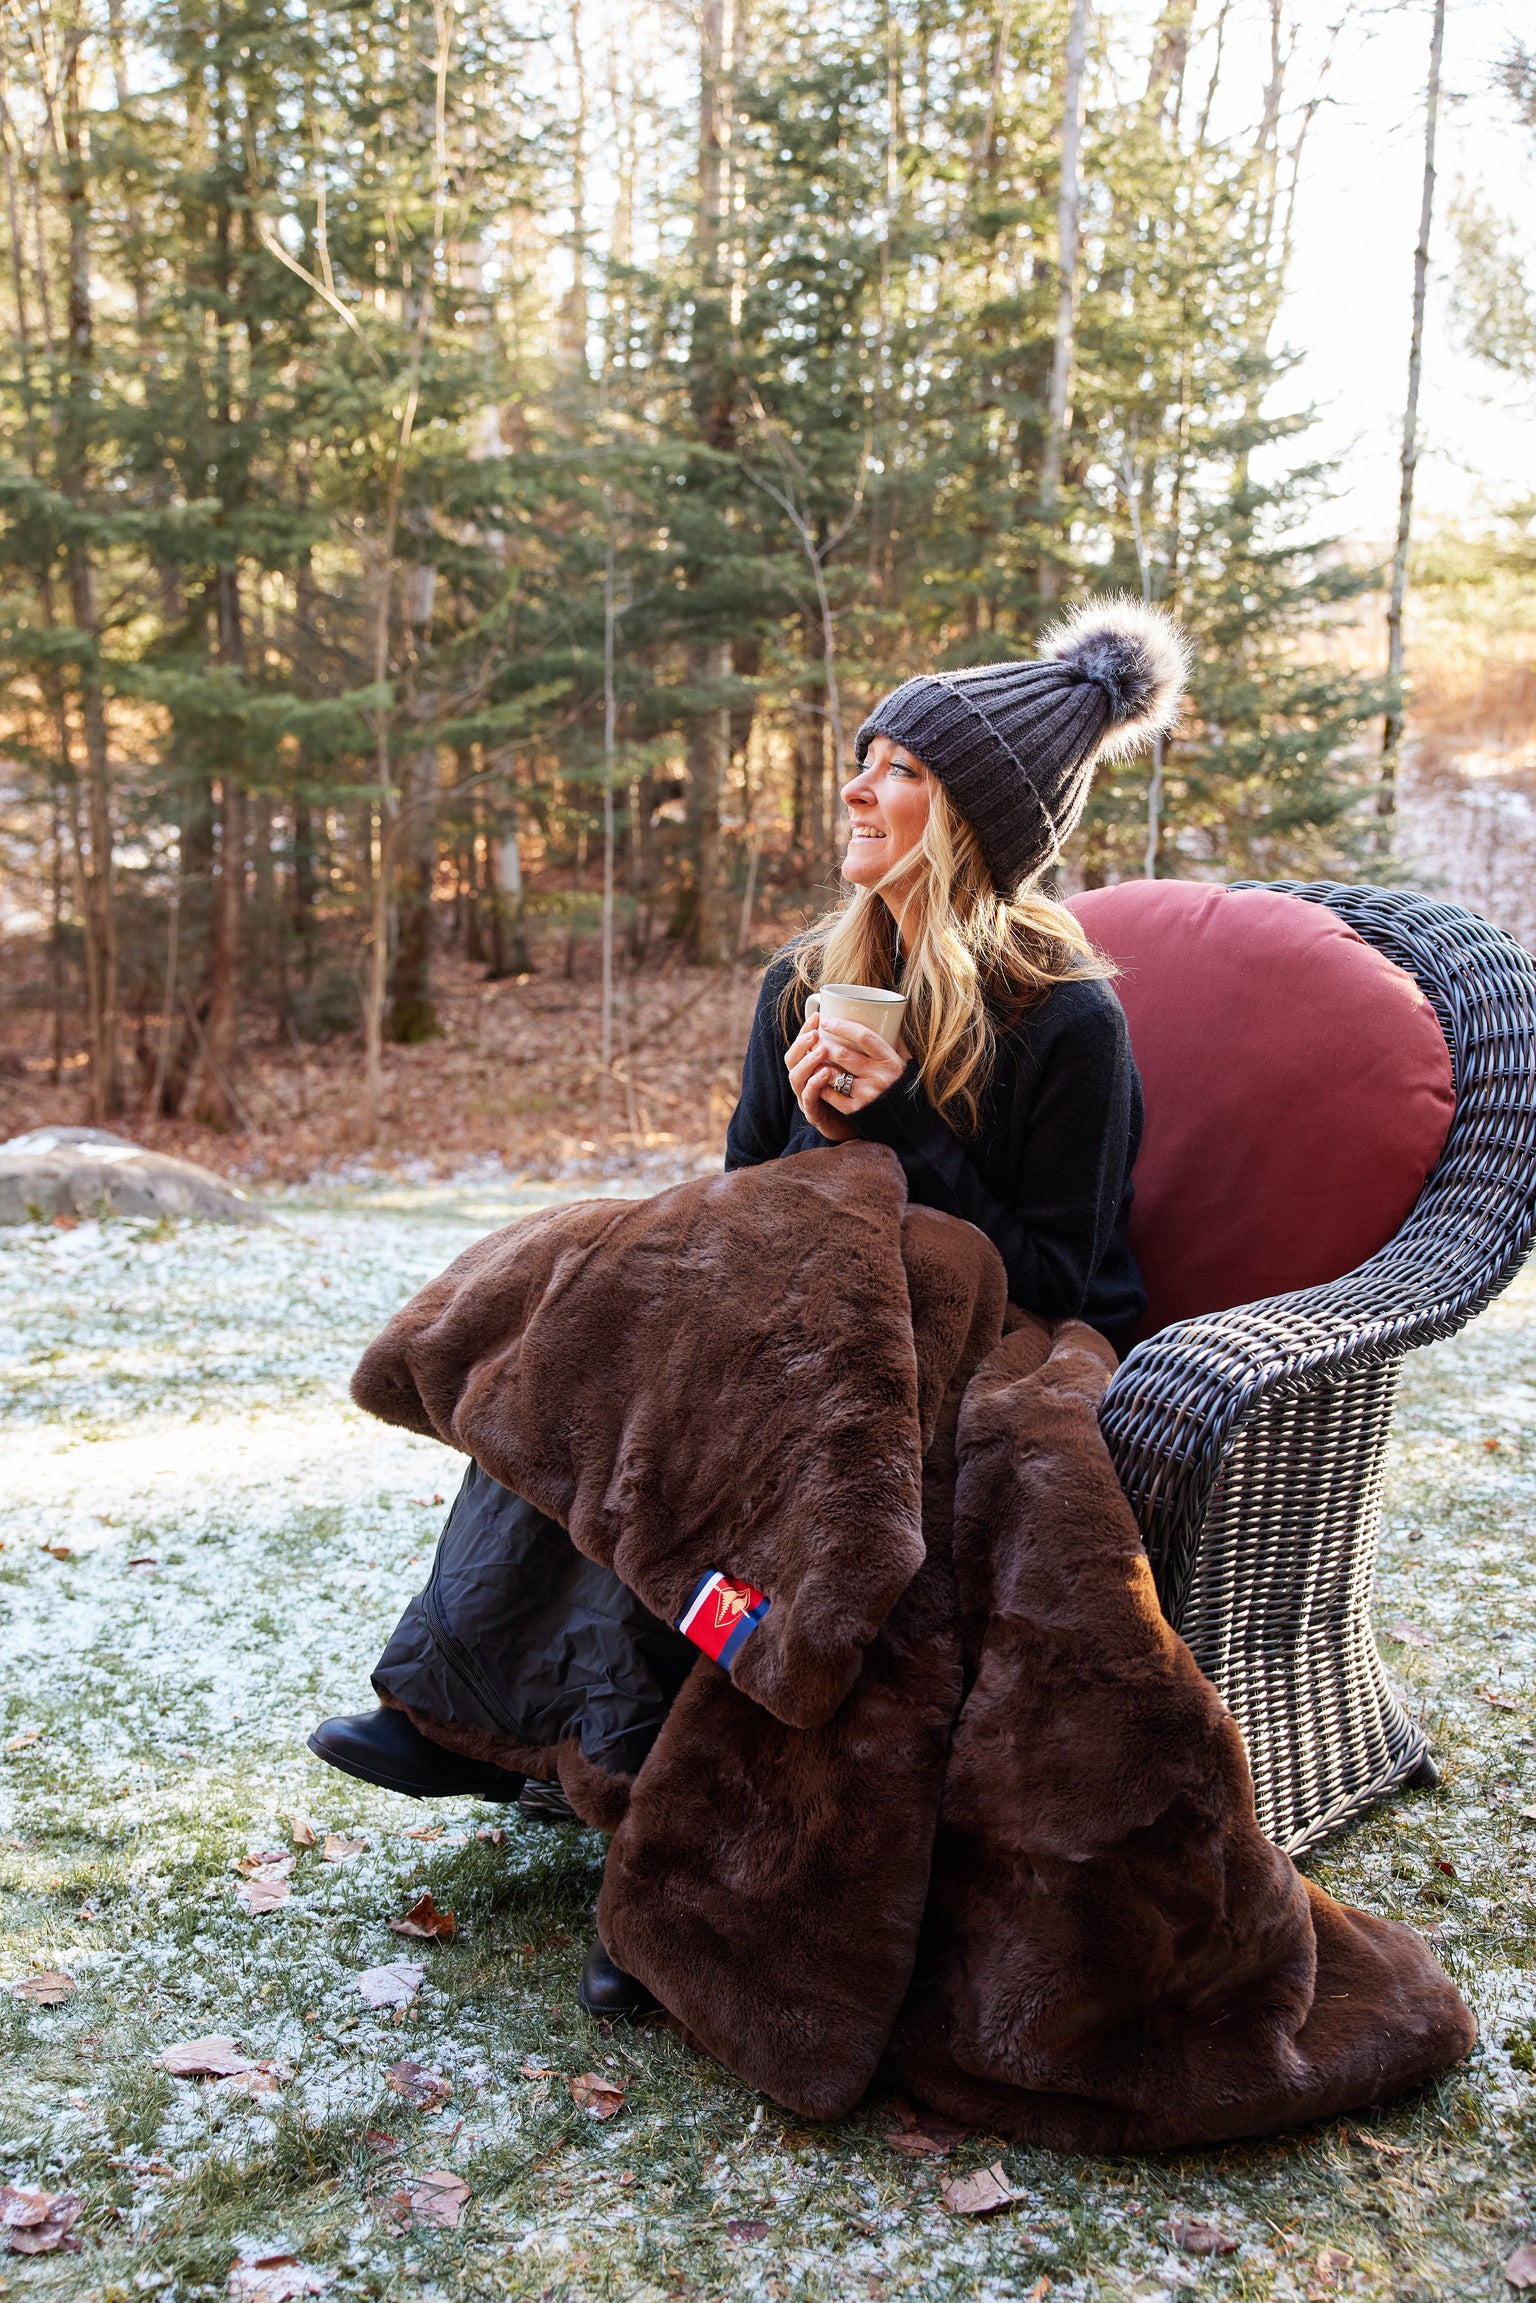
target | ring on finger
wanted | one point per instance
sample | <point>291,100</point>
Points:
<point>843,1084</point>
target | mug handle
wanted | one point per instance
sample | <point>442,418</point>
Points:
<point>813,1006</point>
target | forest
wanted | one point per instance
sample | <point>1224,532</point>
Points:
<point>466,469</point>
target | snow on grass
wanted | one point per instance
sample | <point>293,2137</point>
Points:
<point>239,1543</point>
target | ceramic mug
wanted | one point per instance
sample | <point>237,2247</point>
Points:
<point>860,1004</point>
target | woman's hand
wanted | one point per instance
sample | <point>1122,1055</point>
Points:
<point>827,1051</point>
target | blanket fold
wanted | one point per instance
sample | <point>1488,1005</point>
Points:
<point>964,1811</point>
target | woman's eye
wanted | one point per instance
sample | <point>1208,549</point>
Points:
<point>900,768</point>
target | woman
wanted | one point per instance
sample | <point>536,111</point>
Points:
<point>1012,1101</point>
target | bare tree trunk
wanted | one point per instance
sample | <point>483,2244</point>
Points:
<point>96,857</point>
<point>1068,207</point>
<point>1392,729</point>
<point>216,1105</point>
<point>412,1016</point>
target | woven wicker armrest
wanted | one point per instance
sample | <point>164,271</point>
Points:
<point>1176,1405</point>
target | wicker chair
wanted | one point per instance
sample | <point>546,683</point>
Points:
<point>1251,1441</point>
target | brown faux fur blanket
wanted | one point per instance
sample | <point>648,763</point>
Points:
<point>964,1811</point>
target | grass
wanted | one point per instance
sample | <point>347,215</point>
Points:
<point>178,1394</point>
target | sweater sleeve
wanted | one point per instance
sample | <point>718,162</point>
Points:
<point>1068,1150</point>
<point>767,1122</point>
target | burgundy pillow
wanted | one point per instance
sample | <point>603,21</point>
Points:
<point>1298,1089</point>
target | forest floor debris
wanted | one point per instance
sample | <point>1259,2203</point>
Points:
<point>180,1391</point>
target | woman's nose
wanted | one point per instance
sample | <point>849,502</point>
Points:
<point>857,792</point>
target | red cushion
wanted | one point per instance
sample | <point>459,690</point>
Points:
<point>1298,1089</point>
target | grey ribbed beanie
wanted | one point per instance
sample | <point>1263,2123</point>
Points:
<point>1014,745</point>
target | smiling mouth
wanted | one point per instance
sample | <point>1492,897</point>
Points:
<point>865,832</point>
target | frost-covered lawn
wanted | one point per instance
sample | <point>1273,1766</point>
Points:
<point>237,1544</point>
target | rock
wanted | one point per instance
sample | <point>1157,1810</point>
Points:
<point>90,1172</point>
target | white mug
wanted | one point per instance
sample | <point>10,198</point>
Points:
<point>860,1004</point>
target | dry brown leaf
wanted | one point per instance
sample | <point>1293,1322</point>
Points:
<point>421,2088</point>
<point>438,2197</point>
<point>426,1921</point>
<point>1039,2291</point>
<point>20,1742</point>
<point>277,1860</point>
<point>275,2278</point>
<point>303,1831</point>
<point>340,1850</point>
<point>213,2058</point>
<point>1408,1634</point>
<point>491,1831</point>
<point>1382,2150</point>
<point>264,1890</point>
<point>59,1550</point>
<point>425,1831</point>
<point>590,2091</point>
<point>1330,2265</point>
<point>49,1989</point>
<point>983,2193</point>
<point>426,1501</point>
<point>746,2227</point>
<point>1196,2238</point>
<point>924,2134</point>
<point>380,2141</point>
<point>37,2222</point>
<point>1491,1695</point>
<point>1520,2270</point>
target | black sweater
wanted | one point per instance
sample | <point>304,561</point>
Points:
<point>1047,1176</point>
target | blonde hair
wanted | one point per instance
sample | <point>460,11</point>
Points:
<point>974,961</point>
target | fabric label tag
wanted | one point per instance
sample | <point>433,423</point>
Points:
<point>721,1615</point>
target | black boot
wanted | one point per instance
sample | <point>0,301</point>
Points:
<point>606,1990</point>
<point>386,1747</point>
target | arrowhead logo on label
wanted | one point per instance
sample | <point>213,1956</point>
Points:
<point>721,1615</point>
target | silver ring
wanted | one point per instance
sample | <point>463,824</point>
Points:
<point>843,1084</point>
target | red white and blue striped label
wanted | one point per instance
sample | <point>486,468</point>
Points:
<point>722,1615</point>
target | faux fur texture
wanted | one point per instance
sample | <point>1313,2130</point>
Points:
<point>692,1382</point>
<point>1140,658</point>
<point>1017,1859</point>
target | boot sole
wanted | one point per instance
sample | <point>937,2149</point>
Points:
<point>464,1790</point>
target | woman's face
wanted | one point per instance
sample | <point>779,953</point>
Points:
<point>887,803</point>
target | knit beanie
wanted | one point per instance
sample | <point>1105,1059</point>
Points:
<point>1014,745</point>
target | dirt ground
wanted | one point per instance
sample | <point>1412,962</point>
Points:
<point>514,1082</point>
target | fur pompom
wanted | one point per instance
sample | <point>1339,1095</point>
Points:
<point>1136,654</point>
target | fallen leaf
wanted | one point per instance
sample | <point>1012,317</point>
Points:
<point>924,2134</point>
<point>50,1989</point>
<point>275,1861</point>
<point>591,2092</point>
<point>275,2278</point>
<point>491,1831</point>
<point>59,1550</point>
<point>744,2227</point>
<point>535,2067</point>
<point>1330,2265</point>
<point>1492,1446</point>
<point>264,1890</point>
<point>1197,2238</point>
<point>425,1831</point>
<point>421,2088</point>
<point>28,1735</point>
<point>1520,2270</point>
<point>1498,1702</point>
<point>392,1986</point>
<point>340,1850</point>
<point>38,2222</point>
<point>212,2058</point>
<point>379,2141</point>
<point>1382,2150</point>
<point>425,1920</point>
<point>426,1501</point>
<point>980,2194</point>
<point>1442,1865</point>
<point>303,1831</point>
<point>1409,1634</point>
<point>1039,2291</point>
<point>439,2197</point>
